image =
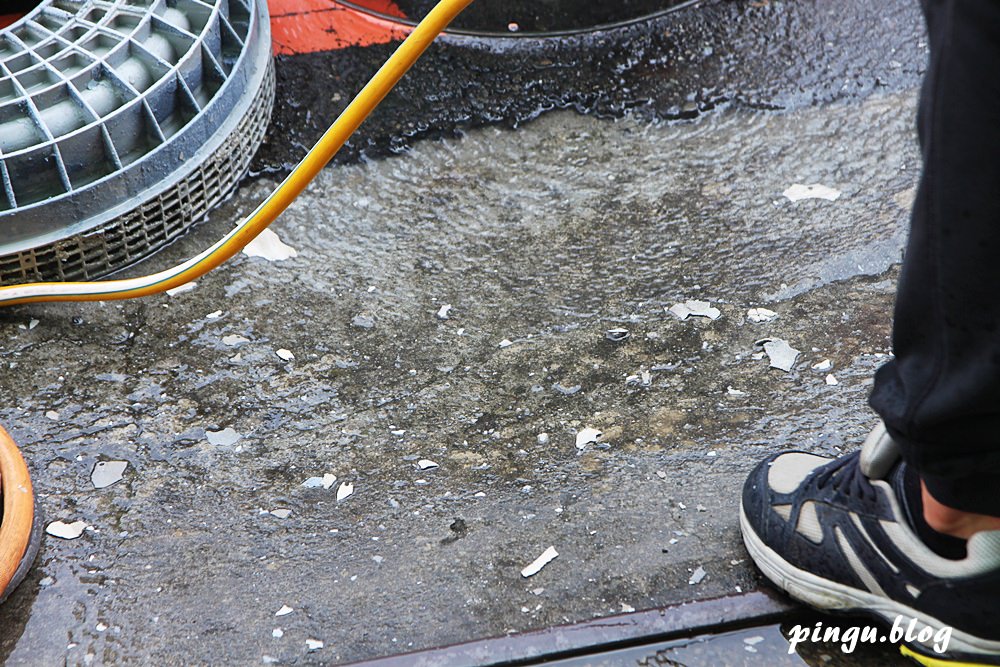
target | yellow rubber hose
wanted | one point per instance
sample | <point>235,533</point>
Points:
<point>370,96</point>
<point>18,509</point>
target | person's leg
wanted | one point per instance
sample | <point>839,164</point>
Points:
<point>861,532</point>
<point>940,396</point>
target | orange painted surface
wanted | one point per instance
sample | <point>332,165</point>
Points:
<point>308,26</point>
<point>7,19</point>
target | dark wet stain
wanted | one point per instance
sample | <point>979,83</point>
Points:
<point>780,54</point>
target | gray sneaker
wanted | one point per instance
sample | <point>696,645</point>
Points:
<point>835,534</point>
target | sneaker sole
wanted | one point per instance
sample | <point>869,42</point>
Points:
<point>829,595</point>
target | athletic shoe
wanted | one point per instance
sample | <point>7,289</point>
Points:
<point>835,534</point>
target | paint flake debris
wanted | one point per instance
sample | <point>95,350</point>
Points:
<point>443,312</point>
<point>53,415</point>
<point>506,342</point>
<point>314,644</point>
<point>735,392</point>
<point>66,531</point>
<point>799,192</point>
<point>106,473</point>
<point>695,308</point>
<point>285,355</point>
<point>543,438</point>
<point>214,316</point>
<point>180,289</point>
<point>627,608</point>
<point>831,380</point>
<point>224,438</point>
<point>277,633</point>
<point>587,436</point>
<point>780,353</point>
<point>824,365</point>
<point>232,340</point>
<point>697,576</point>
<point>268,246</point>
<point>32,324</point>
<point>426,464</point>
<point>616,335</point>
<point>326,481</point>
<point>284,611</point>
<point>761,315</point>
<point>281,514</point>
<point>547,557</point>
<point>363,321</point>
<point>345,491</point>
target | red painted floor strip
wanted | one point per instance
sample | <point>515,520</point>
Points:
<point>309,26</point>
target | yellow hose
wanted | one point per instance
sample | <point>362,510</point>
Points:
<point>370,96</point>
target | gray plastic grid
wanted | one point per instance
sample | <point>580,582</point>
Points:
<point>122,122</point>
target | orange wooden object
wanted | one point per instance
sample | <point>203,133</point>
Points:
<point>309,26</point>
<point>18,509</point>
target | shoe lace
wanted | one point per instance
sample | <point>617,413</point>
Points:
<point>845,475</point>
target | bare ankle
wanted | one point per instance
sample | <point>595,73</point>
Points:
<point>954,522</point>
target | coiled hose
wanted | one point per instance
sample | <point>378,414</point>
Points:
<point>19,519</point>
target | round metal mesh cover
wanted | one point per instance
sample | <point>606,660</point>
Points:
<point>122,122</point>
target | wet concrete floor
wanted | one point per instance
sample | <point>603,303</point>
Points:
<point>546,237</point>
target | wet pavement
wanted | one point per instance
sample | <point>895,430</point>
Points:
<point>541,239</point>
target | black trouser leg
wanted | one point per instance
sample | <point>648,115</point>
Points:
<point>940,396</point>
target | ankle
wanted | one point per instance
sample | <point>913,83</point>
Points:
<point>956,523</point>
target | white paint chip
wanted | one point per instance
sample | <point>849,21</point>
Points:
<point>442,313</point>
<point>697,576</point>
<point>224,438</point>
<point>281,513</point>
<point>547,557</point>
<point>285,355</point>
<point>831,380</point>
<point>587,436</point>
<point>268,246</point>
<point>106,473</point>
<point>761,315</point>
<point>345,491</point>
<point>284,611</point>
<point>180,289</point>
<point>781,355</point>
<point>426,464</point>
<point>66,531</point>
<point>314,644</point>
<point>695,308</point>
<point>326,481</point>
<point>798,192</point>
<point>233,340</point>
<point>53,415</point>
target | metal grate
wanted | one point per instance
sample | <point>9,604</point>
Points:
<point>122,122</point>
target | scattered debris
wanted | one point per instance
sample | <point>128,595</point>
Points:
<point>66,531</point>
<point>697,576</point>
<point>506,342</point>
<point>277,633</point>
<point>285,355</point>
<point>268,246</point>
<point>363,321</point>
<point>224,438</point>
<point>661,474</point>
<point>314,644</point>
<point>281,514</point>
<point>180,289</point>
<point>442,313</point>
<point>326,481</point>
<point>426,464</point>
<point>547,557</point>
<point>284,611</point>
<point>32,324</point>
<point>831,380</point>
<point>587,436</point>
<point>345,491</point>
<point>761,315</point>
<point>616,335</point>
<point>233,340</point>
<point>214,316</point>
<point>53,415</point>
<point>750,642</point>
<point>695,308</point>
<point>106,473</point>
<point>627,608</point>
<point>734,392</point>
<point>543,438</point>
<point>824,365</point>
<point>537,591</point>
<point>799,192</point>
<point>567,391</point>
<point>781,354</point>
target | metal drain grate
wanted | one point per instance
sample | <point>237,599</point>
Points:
<point>122,122</point>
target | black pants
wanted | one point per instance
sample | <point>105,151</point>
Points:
<point>940,396</point>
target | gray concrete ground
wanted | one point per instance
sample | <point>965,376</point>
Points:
<point>547,237</point>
